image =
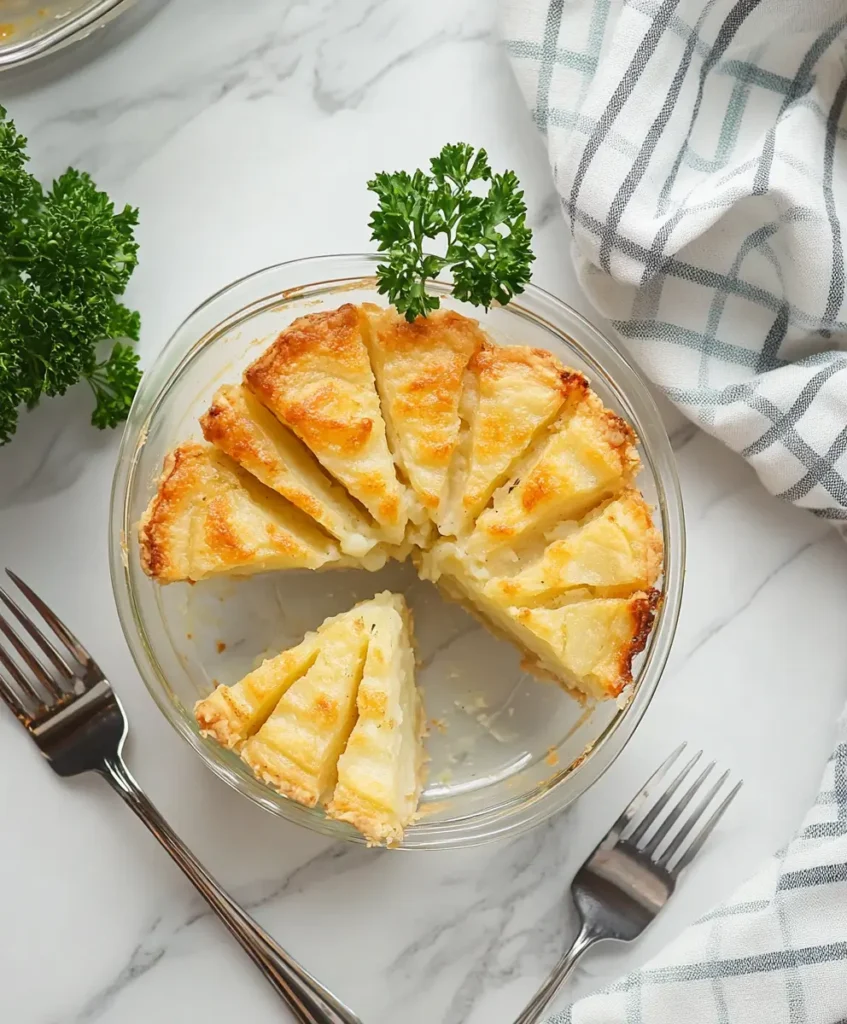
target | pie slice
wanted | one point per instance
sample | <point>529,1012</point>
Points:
<point>247,432</point>
<point>297,749</point>
<point>511,394</point>
<point>380,773</point>
<point>208,517</point>
<point>231,714</point>
<point>614,551</point>
<point>587,457</point>
<point>420,368</point>
<point>585,643</point>
<point>588,645</point>
<point>316,379</point>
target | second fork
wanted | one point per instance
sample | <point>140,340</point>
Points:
<point>632,873</point>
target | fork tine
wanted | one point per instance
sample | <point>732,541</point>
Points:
<point>674,813</point>
<point>58,661</point>
<point>34,665</point>
<point>19,678</point>
<point>662,802</point>
<point>52,620</point>
<point>637,801</point>
<point>705,831</point>
<point>691,821</point>
<point>14,702</point>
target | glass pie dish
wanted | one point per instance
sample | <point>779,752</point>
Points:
<point>507,750</point>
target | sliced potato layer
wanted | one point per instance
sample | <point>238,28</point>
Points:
<point>380,773</point>
<point>209,517</point>
<point>511,394</point>
<point>613,552</point>
<point>419,370</point>
<point>248,433</point>
<point>297,749</point>
<point>589,455</point>
<point>316,378</point>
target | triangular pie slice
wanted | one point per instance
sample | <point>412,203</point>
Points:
<point>589,455</point>
<point>231,714</point>
<point>209,516</point>
<point>316,379</point>
<point>380,773</point>
<point>247,432</point>
<point>614,551</point>
<point>585,643</point>
<point>588,645</point>
<point>297,749</point>
<point>511,394</point>
<point>419,369</point>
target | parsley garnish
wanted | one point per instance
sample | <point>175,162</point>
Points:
<point>487,242</point>
<point>65,258</point>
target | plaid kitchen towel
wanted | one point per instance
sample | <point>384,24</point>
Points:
<point>776,953</point>
<point>698,149</point>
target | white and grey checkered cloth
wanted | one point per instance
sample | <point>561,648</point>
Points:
<point>698,147</point>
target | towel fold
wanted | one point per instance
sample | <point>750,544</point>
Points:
<point>698,148</point>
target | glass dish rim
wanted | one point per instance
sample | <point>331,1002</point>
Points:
<point>505,819</point>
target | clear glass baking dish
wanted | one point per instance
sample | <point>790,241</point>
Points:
<point>507,750</point>
<point>32,28</point>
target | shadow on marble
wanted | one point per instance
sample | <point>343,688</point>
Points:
<point>52,446</point>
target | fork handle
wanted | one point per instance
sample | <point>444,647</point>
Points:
<point>536,1006</point>
<point>307,999</point>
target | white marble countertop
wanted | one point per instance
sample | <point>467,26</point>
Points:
<point>245,131</point>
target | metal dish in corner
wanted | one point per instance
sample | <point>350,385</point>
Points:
<point>30,29</point>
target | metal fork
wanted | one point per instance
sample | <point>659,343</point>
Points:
<point>631,875</point>
<point>78,724</point>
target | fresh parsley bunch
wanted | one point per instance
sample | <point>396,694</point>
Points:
<point>487,242</point>
<point>65,258</point>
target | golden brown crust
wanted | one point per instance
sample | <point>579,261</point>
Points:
<point>223,719</point>
<point>225,426</point>
<point>222,425</point>
<point>613,671</point>
<point>208,516</point>
<point>583,642</point>
<point>380,773</point>
<point>172,501</point>
<point>643,611</point>
<point>511,395</point>
<point>330,339</point>
<point>240,426</point>
<point>280,773</point>
<point>614,437</point>
<point>522,368</point>
<point>613,552</point>
<point>297,748</point>
<point>494,362</point>
<point>350,806</point>
<point>316,378</point>
<point>419,369</point>
<point>588,455</point>
<point>653,550</point>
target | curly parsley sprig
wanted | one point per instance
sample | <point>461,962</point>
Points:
<point>486,239</point>
<point>65,258</point>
